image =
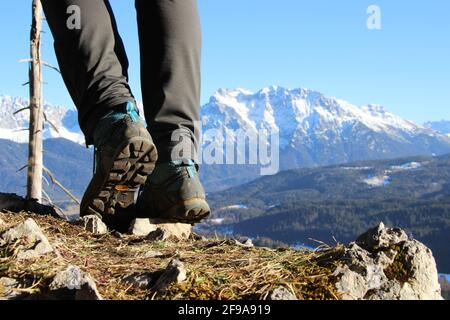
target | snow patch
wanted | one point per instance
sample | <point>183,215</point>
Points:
<point>357,168</point>
<point>234,207</point>
<point>407,166</point>
<point>378,181</point>
<point>216,221</point>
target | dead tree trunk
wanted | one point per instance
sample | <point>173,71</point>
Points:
<point>35,146</point>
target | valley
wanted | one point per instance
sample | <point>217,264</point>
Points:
<point>332,204</point>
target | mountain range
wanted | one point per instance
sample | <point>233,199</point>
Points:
<point>14,120</point>
<point>314,130</point>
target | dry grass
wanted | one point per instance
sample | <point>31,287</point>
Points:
<point>217,269</point>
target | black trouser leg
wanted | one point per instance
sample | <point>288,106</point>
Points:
<point>170,41</point>
<point>92,59</point>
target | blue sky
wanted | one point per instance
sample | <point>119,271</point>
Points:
<point>318,44</point>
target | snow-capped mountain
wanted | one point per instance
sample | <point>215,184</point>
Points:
<point>313,129</point>
<point>318,130</point>
<point>13,126</point>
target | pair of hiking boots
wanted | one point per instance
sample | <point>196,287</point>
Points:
<point>125,162</point>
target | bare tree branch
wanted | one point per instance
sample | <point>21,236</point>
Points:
<point>48,65</point>
<point>24,167</point>
<point>44,63</point>
<point>56,182</point>
<point>50,123</point>
<point>24,129</point>
<point>20,110</point>
<point>47,198</point>
<point>51,203</point>
<point>45,180</point>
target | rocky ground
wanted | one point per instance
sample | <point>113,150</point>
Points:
<point>42,257</point>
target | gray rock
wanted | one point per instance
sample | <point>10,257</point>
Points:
<point>385,258</point>
<point>244,242</point>
<point>384,264</point>
<point>174,273</point>
<point>197,237</point>
<point>423,278</point>
<point>351,284</point>
<point>390,290</point>
<point>361,262</point>
<point>33,242</point>
<point>74,284</point>
<point>161,230</point>
<point>141,227</point>
<point>94,224</point>
<point>140,280</point>
<point>152,254</point>
<point>281,293</point>
<point>381,238</point>
<point>249,243</point>
<point>7,286</point>
<point>357,257</point>
<point>157,235</point>
<point>174,231</point>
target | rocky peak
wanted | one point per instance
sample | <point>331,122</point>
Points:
<point>384,264</point>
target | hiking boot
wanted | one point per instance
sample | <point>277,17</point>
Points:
<point>173,192</point>
<point>124,156</point>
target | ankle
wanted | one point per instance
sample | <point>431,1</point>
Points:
<point>112,117</point>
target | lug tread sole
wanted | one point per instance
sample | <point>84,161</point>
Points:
<point>129,171</point>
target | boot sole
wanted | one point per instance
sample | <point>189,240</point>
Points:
<point>133,162</point>
<point>190,211</point>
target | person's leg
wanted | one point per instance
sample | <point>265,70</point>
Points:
<point>170,42</point>
<point>92,59</point>
<point>94,66</point>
